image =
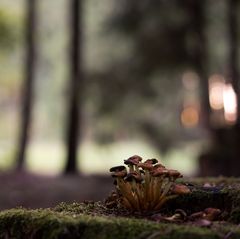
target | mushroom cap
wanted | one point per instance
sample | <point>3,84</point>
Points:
<point>119,174</point>
<point>134,160</point>
<point>212,210</point>
<point>182,213</point>
<point>147,166</point>
<point>211,213</point>
<point>151,161</point>
<point>174,173</point>
<point>158,166</point>
<point>133,175</point>
<point>180,189</point>
<point>117,168</point>
<point>159,172</point>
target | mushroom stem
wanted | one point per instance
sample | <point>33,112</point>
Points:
<point>158,181</point>
<point>125,191</point>
<point>166,189</point>
<point>131,168</point>
<point>136,193</point>
<point>146,186</point>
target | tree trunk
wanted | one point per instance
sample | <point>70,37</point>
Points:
<point>200,57</point>
<point>233,54</point>
<point>27,88</point>
<point>223,156</point>
<point>75,88</point>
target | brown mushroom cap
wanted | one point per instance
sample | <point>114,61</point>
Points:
<point>120,174</point>
<point>118,171</point>
<point>211,213</point>
<point>146,166</point>
<point>159,172</point>
<point>151,161</point>
<point>134,175</point>
<point>117,168</point>
<point>180,189</point>
<point>134,160</point>
<point>174,173</point>
<point>159,166</point>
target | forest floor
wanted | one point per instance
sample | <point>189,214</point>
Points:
<point>35,191</point>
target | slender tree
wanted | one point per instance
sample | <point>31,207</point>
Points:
<point>75,87</point>
<point>200,55</point>
<point>27,88</point>
<point>233,54</point>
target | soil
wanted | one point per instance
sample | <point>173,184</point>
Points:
<point>35,191</point>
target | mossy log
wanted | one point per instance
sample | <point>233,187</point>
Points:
<point>94,220</point>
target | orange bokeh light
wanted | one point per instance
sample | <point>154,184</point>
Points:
<point>190,117</point>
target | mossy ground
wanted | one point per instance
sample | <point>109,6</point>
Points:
<point>45,223</point>
<point>94,220</point>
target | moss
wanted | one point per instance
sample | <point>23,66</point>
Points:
<point>233,202</point>
<point>94,220</point>
<point>20,223</point>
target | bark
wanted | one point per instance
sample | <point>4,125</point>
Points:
<point>75,88</point>
<point>200,57</point>
<point>233,54</point>
<point>27,88</point>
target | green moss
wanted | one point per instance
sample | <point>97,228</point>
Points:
<point>20,223</point>
<point>94,220</point>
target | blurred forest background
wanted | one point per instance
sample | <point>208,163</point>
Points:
<point>158,79</point>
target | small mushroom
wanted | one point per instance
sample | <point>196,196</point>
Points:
<point>134,176</point>
<point>134,160</point>
<point>179,215</point>
<point>211,214</point>
<point>117,168</point>
<point>158,166</point>
<point>151,161</point>
<point>146,166</point>
<point>174,174</point>
<point>182,214</point>
<point>159,172</point>
<point>180,189</point>
<point>118,171</point>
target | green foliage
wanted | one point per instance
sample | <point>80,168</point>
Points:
<point>9,30</point>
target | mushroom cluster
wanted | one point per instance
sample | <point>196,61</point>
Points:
<point>146,186</point>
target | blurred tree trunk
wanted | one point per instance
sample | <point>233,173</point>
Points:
<point>233,56</point>
<point>200,56</point>
<point>75,87</point>
<point>27,88</point>
<point>223,156</point>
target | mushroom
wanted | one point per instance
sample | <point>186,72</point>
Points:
<point>133,161</point>
<point>180,189</point>
<point>174,174</point>
<point>146,166</point>
<point>117,168</point>
<point>179,215</point>
<point>151,161</point>
<point>182,214</point>
<point>211,213</point>
<point>118,171</point>
<point>159,172</point>
<point>133,176</point>
<point>147,185</point>
<point>158,166</point>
